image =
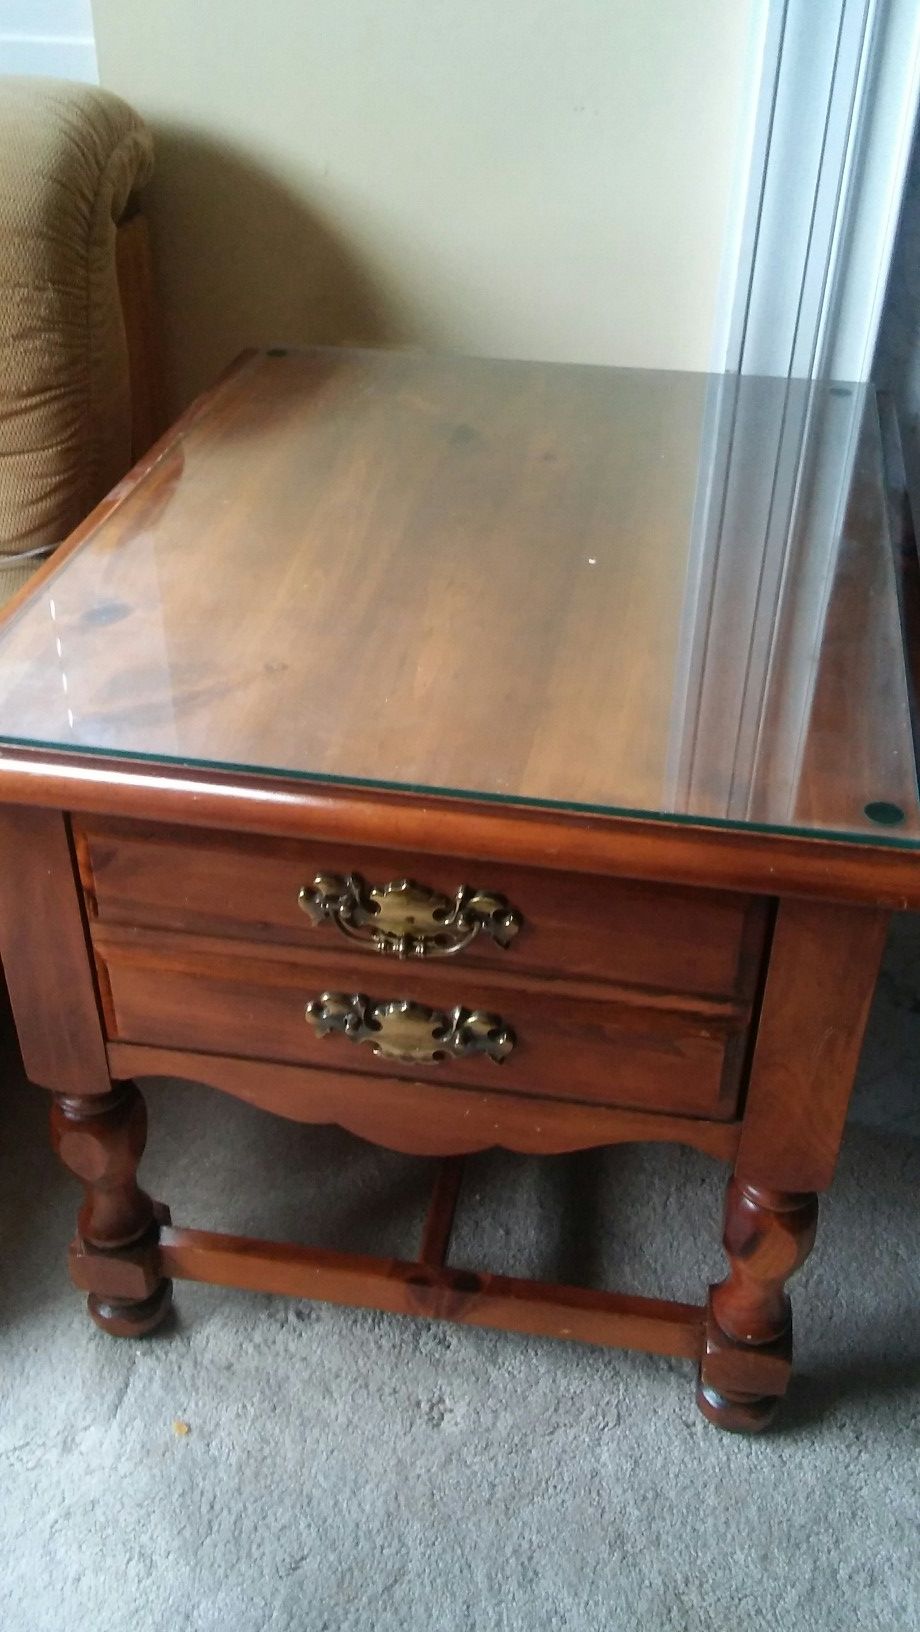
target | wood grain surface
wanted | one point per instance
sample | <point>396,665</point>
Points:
<point>47,959</point>
<point>472,1298</point>
<point>675,940</point>
<point>822,975</point>
<point>421,1118</point>
<point>168,991</point>
<point>484,578</point>
<point>880,874</point>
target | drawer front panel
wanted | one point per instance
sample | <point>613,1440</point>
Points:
<point>700,942</point>
<point>528,1041</point>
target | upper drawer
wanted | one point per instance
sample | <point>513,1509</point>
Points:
<point>698,942</point>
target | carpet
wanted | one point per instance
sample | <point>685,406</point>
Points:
<point>272,1466</point>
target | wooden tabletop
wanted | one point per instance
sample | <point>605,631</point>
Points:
<point>630,591</point>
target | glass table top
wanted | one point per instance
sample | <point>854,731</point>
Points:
<point>622,591</point>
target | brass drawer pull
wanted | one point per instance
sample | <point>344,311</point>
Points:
<point>407,920</point>
<point>403,1030</point>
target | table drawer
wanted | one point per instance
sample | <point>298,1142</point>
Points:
<point>490,1033</point>
<point>554,923</point>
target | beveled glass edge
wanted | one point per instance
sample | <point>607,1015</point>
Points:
<point>880,839</point>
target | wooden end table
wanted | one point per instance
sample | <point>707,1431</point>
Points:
<point>469,753</point>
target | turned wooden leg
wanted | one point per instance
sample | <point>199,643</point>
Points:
<point>748,1356</point>
<point>115,1257</point>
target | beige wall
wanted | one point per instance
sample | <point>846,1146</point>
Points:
<point>530,178</point>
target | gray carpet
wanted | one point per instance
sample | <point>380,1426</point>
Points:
<point>349,1472</point>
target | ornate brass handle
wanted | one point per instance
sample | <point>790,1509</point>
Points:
<point>403,1030</point>
<point>407,920</point>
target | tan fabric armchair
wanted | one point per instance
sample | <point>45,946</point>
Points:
<point>71,158</point>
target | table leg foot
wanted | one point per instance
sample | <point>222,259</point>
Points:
<point>747,1354</point>
<point>121,1318</point>
<point>736,1413</point>
<point>115,1257</point>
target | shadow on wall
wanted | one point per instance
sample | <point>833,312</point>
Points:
<point>241,260</point>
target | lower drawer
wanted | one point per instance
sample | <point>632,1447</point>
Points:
<point>500,1037</point>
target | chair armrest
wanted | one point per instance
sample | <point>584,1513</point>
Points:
<point>70,158</point>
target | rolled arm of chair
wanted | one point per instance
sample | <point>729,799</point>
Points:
<point>70,158</point>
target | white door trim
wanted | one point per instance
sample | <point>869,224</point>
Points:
<point>831,104</point>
